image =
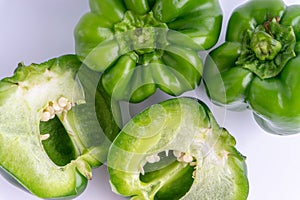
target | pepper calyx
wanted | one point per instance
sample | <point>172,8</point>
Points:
<point>264,46</point>
<point>267,49</point>
<point>141,33</point>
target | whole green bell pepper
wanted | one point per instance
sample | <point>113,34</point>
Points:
<point>176,150</point>
<point>258,65</point>
<point>143,45</point>
<point>56,125</point>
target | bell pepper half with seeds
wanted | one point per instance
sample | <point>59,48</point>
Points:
<point>176,150</point>
<point>56,125</point>
<point>143,45</point>
<point>258,66</point>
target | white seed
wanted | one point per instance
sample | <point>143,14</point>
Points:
<point>150,159</point>
<point>177,154</point>
<point>57,108</point>
<point>187,158</point>
<point>193,164</point>
<point>153,159</point>
<point>141,169</point>
<point>52,116</point>
<point>167,152</point>
<point>46,115</point>
<point>179,159</point>
<point>62,102</point>
<point>44,136</point>
<point>194,174</point>
<point>50,109</point>
<point>157,158</point>
<point>68,106</point>
<point>59,112</point>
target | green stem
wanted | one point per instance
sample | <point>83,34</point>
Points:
<point>264,46</point>
<point>266,49</point>
<point>141,33</point>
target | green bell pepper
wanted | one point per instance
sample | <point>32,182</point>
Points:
<point>143,45</point>
<point>176,150</point>
<point>56,125</point>
<point>257,65</point>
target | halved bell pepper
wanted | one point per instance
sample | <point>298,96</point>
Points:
<point>143,45</point>
<point>176,150</point>
<point>56,125</point>
<point>258,66</point>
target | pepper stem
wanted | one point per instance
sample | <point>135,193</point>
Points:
<point>266,49</point>
<point>264,46</point>
<point>141,33</point>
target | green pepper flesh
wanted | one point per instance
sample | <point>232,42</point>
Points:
<point>176,144</point>
<point>47,144</point>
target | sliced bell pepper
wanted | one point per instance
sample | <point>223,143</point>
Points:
<point>176,150</point>
<point>145,44</point>
<point>258,65</point>
<point>56,125</point>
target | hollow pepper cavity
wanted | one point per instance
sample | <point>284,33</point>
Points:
<point>147,44</point>
<point>258,66</point>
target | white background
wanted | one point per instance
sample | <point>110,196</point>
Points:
<point>34,31</point>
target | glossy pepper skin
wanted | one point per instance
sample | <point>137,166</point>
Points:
<point>56,125</point>
<point>258,66</point>
<point>143,45</point>
<point>176,150</point>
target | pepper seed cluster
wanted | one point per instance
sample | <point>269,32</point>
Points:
<point>56,107</point>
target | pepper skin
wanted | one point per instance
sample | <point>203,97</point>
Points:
<point>176,150</point>
<point>258,66</point>
<point>143,45</point>
<point>52,116</point>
